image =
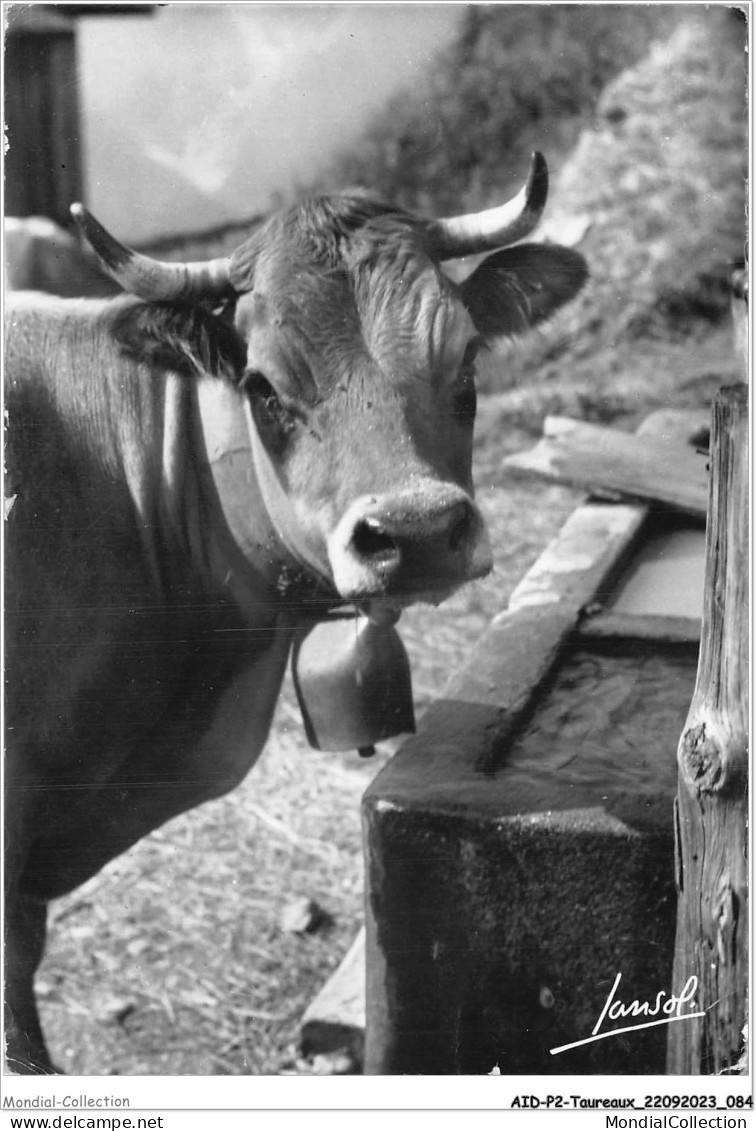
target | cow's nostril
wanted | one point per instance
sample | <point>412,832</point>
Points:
<point>370,540</point>
<point>460,528</point>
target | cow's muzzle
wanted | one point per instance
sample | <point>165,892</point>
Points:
<point>415,545</point>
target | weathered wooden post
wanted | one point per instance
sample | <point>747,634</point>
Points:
<point>711,805</point>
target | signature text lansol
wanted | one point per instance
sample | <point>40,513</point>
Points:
<point>673,1009</point>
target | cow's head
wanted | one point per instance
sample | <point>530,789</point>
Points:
<point>357,388</point>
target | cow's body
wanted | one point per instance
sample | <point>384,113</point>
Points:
<point>190,489</point>
<point>142,678</point>
<point>127,622</point>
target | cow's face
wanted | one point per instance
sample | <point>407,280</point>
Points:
<point>357,387</point>
<point>360,397</point>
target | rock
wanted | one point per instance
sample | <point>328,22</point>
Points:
<point>114,1010</point>
<point>302,916</point>
<point>337,1063</point>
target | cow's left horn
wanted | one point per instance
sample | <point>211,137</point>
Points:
<point>496,227</point>
<point>152,278</point>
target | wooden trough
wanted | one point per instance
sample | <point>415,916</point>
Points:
<point>520,847</point>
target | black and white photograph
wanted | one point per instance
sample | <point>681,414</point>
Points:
<point>376,556</point>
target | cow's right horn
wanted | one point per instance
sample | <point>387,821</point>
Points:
<point>494,228</point>
<point>152,278</point>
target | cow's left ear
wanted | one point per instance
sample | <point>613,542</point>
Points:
<point>519,287</point>
<point>178,336</point>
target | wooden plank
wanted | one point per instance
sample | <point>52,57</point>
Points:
<point>621,465</point>
<point>712,801</point>
<point>662,630</point>
<point>687,425</point>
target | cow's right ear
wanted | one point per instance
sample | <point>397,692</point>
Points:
<point>521,286</point>
<point>188,339</point>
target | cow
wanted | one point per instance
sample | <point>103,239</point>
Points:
<point>203,466</point>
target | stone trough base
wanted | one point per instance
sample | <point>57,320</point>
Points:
<point>494,941</point>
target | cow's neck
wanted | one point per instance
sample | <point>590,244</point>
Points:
<point>141,436</point>
<point>213,507</point>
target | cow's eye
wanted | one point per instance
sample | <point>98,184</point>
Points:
<point>269,411</point>
<point>261,392</point>
<point>465,396</point>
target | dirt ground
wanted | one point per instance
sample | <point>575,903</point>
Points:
<point>172,960</point>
